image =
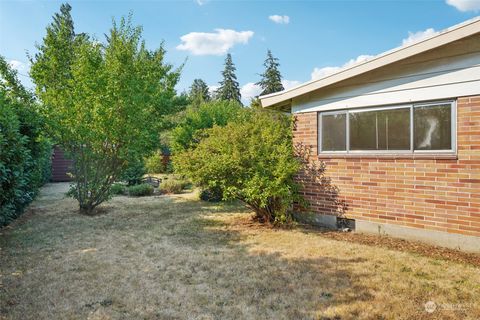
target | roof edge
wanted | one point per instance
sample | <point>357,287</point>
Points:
<point>444,37</point>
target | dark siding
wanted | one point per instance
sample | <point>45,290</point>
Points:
<point>60,166</point>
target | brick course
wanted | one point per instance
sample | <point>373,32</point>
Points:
<point>439,193</point>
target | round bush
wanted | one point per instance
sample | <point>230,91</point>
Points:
<point>140,190</point>
<point>117,189</point>
<point>173,186</point>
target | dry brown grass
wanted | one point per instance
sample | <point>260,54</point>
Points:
<point>173,257</point>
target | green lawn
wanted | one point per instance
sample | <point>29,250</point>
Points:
<point>174,257</point>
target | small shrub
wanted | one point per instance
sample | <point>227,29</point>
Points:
<point>173,186</point>
<point>169,167</point>
<point>140,190</point>
<point>117,189</point>
<point>133,174</point>
<point>213,194</point>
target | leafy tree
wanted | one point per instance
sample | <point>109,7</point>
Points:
<point>251,160</point>
<point>51,69</point>
<point>271,79</point>
<point>199,92</point>
<point>229,88</point>
<point>255,104</point>
<point>207,115</point>
<point>106,103</point>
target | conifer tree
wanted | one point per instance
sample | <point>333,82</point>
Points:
<point>229,88</point>
<point>271,79</point>
<point>199,92</point>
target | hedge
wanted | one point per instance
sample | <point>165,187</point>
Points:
<point>25,154</point>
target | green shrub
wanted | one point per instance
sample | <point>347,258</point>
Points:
<point>213,194</point>
<point>252,160</point>
<point>173,186</point>
<point>134,172</point>
<point>154,163</point>
<point>117,189</point>
<point>169,168</point>
<point>140,190</point>
<point>158,163</point>
<point>207,115</point>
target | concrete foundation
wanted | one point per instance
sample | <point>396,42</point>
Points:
<point>438,238</point>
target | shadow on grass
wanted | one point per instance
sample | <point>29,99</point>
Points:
<point>268,283</point>
<point>165,258</point>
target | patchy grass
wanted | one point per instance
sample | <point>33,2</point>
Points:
<point>173,257</point>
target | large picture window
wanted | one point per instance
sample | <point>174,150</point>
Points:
<point>398,129</point>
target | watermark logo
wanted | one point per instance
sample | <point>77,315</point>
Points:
<point>430,306</point>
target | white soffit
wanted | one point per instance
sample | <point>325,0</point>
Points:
<point>457,32</point>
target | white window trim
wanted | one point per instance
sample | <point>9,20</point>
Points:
<point>411,151</point>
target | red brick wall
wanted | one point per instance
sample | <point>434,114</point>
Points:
<point>440,193</point>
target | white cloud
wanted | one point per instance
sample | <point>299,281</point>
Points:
<point>213,43</point>
<point>249,91</point>
<point>19,65</point>
<point>212,89</point>
<point>279,19</point>
<point>417,36</point>
<point>201,2</point>
<point>23,68</point>
<point>288,84</point>
<point>318,73</point>
<point>465,5</point>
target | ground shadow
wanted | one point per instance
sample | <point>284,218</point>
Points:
<point>163,259</point>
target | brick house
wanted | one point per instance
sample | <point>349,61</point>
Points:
<point>399,136</point>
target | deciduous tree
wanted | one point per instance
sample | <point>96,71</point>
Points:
<point>105,102</point>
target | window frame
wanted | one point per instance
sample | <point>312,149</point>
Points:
<point>320,124</point>
<point>453,126</point>
<point>411,151</point>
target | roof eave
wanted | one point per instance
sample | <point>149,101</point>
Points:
<point>447,36</point>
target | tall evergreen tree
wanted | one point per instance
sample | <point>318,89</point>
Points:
<point>229,88</point>
<point>271,79</point>
<point>199,92</point>
<point>55,55</point>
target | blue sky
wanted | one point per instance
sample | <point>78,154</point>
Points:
<point>311,38</point>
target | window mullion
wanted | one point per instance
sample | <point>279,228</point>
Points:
<point>348,131</point>
<point>411,129</point>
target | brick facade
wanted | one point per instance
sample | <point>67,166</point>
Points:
<point>425,192</point>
